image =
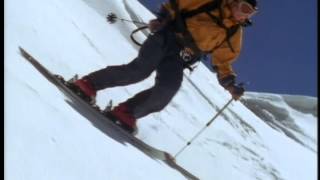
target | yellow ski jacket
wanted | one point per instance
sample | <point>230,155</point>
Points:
<point>209,36</point>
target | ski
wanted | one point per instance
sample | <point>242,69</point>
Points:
<point>101,122</point>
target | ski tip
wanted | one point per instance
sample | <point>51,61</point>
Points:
<point>25,54</point>
<point>22,51</point>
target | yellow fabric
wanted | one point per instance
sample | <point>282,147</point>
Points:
<point>209,36</point>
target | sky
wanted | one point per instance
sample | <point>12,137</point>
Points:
<point>279,53</point>
<point>47,139</point>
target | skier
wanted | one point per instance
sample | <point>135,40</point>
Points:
<point>183,32</point>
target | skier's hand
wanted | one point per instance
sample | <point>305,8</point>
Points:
<point>229,83</point>
<point>236,91</point>
<point>156,25</point>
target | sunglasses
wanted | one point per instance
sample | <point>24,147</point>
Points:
<point>246,9</point>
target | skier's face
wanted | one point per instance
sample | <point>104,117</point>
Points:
<point>242,10</point>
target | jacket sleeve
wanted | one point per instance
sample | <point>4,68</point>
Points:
<point>223,56</point>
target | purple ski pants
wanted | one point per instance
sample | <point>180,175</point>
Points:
<point>160,53</point>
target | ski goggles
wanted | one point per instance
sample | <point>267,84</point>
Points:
<point>246,9</point>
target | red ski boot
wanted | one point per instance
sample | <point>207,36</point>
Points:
<point>87,89</point>
<point>121,114</point>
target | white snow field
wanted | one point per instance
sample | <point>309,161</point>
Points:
<point>262,137</point>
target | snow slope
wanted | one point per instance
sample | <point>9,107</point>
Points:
<point>265,136</point>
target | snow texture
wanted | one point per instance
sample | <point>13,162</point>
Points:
<point>263,136</point>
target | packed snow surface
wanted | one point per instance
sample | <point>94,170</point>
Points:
<point>263,136</point>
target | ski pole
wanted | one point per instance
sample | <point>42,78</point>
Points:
<point>207,125</point>
<point>112,18</point>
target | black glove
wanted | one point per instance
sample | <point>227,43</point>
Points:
<point>236,91</point>
<point>229,83</point>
